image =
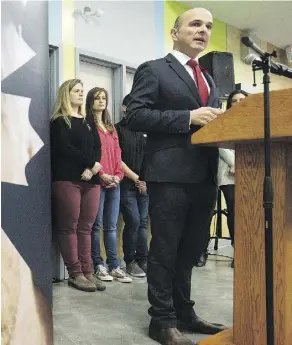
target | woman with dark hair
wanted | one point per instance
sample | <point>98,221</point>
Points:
<point>235,97</point>
<point>111,175</point>
<point>226,169</point>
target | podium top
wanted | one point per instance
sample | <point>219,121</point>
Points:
<point>244,122</point>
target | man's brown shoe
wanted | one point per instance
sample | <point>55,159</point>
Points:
<point>168,336</point>
<point>201,326</point>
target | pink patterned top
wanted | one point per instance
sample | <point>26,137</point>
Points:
<point>111,159</point>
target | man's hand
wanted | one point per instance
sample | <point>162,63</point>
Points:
<point>204,115</point>
<point>232,170</point>
<point>87,175</point>
<point>96,168</point>
<point>141,185</point>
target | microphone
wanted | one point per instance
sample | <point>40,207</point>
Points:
<point>248,42</point>
<point>276,68</point>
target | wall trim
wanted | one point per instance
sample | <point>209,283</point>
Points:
<point>120,68</point>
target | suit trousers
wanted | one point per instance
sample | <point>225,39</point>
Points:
<point>180,216</point>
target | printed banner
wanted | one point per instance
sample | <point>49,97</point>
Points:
<point>25,175</point>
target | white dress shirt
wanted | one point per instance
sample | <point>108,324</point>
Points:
<point>183,59</point>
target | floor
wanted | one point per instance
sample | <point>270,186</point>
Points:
<point>119,315</point>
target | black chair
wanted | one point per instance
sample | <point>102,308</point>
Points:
<point>219,212</point>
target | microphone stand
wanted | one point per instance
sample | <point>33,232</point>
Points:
<point>265,66</point>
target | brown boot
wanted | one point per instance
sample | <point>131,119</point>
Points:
<point>100,286</point>
<point>198,325</point>
<point>168,336</point>
<point>81,283</point>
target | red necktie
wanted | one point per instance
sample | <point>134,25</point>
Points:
<point>201,84</point>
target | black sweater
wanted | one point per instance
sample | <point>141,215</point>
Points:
<point>133,146</point>
<point>74,149</point>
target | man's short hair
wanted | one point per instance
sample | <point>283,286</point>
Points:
<point>126,100</point>
<point>177,23</point>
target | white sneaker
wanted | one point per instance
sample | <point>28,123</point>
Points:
<point>120,275</point>
<point>102,274</point>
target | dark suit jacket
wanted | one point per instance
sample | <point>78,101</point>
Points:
<point>162,96</point>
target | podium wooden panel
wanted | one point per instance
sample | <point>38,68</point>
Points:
<point>249,311</point>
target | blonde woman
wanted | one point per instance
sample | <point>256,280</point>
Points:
<point>76,152</point>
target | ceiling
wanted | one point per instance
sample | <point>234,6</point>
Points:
<point>270,21</point>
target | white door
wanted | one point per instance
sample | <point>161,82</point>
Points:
<point>94,75</point>
<point>129,82</point>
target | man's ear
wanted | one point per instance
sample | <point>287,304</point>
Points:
<point>174,33</point>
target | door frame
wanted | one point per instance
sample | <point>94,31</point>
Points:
<point>119,67</point>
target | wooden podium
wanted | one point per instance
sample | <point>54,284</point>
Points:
<point>242,128</point>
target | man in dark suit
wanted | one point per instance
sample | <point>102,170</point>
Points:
<point>171,99</point>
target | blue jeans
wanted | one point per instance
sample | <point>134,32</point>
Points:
<point>134,208</point>
<point>107,218</point>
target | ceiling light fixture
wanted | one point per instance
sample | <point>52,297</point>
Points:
<point>87,14</point>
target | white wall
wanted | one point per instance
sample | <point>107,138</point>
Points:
<point>55,22</point>
<point>126,31</point>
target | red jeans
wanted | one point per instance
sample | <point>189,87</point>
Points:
<point>75,207</point>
